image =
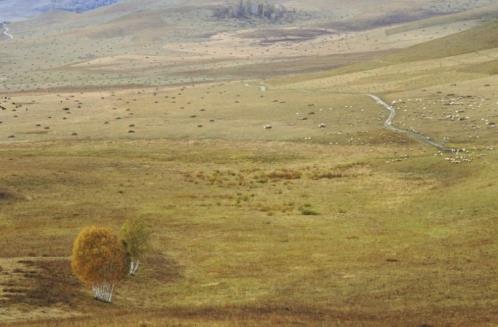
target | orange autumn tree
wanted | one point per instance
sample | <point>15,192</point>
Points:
<point>99,260</point>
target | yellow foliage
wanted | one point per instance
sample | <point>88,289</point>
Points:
<point>98,256</point>
<point>136,236</point>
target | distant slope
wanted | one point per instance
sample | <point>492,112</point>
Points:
<point>489,12</point>
<point>14,10</point>
<point>476,39</point>
<point>479,38</point>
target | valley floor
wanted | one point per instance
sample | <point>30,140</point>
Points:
<point>279,201</point>
<point>250,233</point>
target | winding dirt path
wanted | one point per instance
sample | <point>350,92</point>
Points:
<point>414,135</point>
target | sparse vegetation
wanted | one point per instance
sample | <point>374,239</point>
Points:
<point>284,174</point>
<point>247,143</point>
<point>307,210</point>
<point>254,9</point>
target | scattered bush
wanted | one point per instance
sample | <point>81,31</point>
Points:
<point>327,175</point>
<point>285,174</point>
<point>307,210</point>
<point>247,9</point>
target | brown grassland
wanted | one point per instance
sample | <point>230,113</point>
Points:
<point>281,200</point>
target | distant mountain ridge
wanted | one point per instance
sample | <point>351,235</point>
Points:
<point>13,10</point>
<point>77,5</point>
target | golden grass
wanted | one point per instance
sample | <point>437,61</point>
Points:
<point>390,241</point>
<point>293,225</point>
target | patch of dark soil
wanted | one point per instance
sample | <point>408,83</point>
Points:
<point>376,22</point>
<point>272,36</point>
<point>47,283</point>
<point>55,283</point>
<point>286,66</point>
<point>9,195</point>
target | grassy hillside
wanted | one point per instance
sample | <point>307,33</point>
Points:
<point>483,37</point>
<point>179,42</point>
<point>482,14</point>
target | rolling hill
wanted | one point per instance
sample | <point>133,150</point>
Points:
<point>160,37</point>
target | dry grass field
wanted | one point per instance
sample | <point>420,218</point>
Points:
<point>276,193</point>
<point>250,232</point>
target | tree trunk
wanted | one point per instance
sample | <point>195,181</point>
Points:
<point>103,292</point>
<point>133,266</point>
